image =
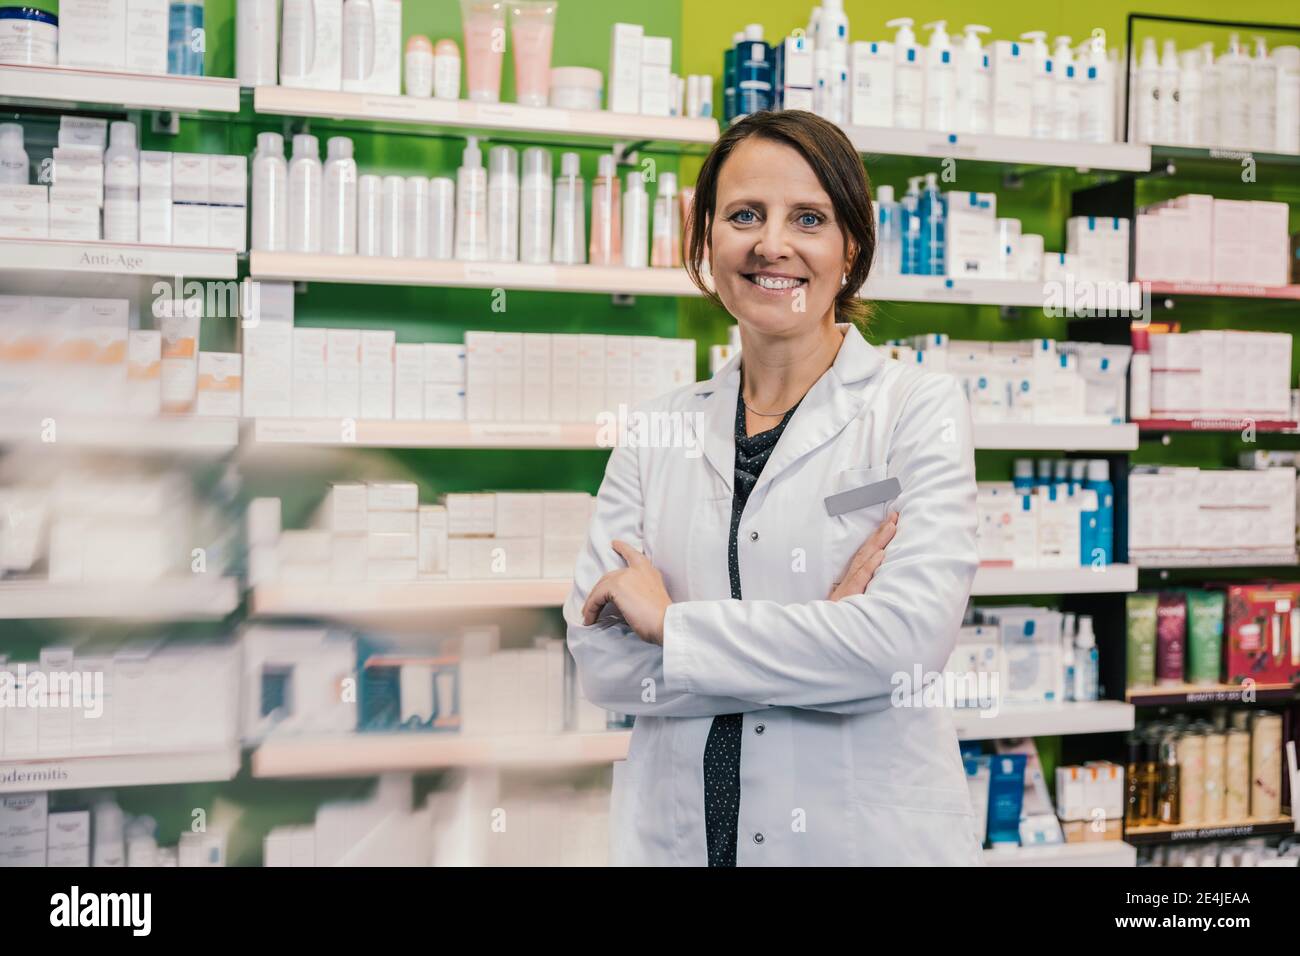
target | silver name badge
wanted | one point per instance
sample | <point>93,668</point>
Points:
<point>863,497</point>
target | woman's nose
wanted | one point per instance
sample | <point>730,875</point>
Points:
<point>772,241</point>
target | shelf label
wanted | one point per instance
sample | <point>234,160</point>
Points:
<point>508,115</point>
<point>493,275</point>
<point>510,431</point>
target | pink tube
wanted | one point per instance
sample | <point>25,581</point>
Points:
<point>485,44</point>
<point>532,31</point>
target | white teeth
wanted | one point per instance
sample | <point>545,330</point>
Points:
<point>769,282</point>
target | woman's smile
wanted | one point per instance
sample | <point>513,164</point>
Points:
<point>774,283</point>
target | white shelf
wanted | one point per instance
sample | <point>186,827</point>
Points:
<point>1266,559</point>
<point>330,432</point>
<point>992,582</point>
<point>1090,717</point>
<point>199,597</point>
<point>983,147</point>
<point>411,600</point>
<point>53,86</point>
<point>116,258</point>
<point>118,770</point>
<point>362,755</point>
<point>178,435</point>
<point>1056,437</point>
<point>943,290</point>
<point>468,117</point>
<point>1096,853</point>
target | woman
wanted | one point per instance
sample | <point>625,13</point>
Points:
<point>785,726</point>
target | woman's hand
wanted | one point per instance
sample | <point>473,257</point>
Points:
<point>637,591</point>
<point>864,562</point>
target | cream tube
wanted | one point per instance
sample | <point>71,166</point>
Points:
<point>446,70</point>
<point>485,42</point>
<point>532,31</point>
<point>419,67</point>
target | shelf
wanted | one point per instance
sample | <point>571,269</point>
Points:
<point>119,770</point>
<point>497,120</point>
<point>177,435</point>
<point>1200,153</point>
<point>1225,290</point>
<point>1185,694</point>
<point>1091,717</point>
<point>1179,833</point>
<point>383,601</point>
<point>424,434</point>
<point>942,290</point>
<point>363,755</point>
<point>1095,853</point>
<point>996,581</point>
<point>1210,562</point>
<point>62,87</point>
<point>983,147</point>
<point>116,258</point>
<point>194,598</point>
<point>1228,423</point>
<point>1052,437</point>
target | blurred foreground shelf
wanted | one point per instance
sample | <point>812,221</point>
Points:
<point>1098,853</point>
<point>1047,720</point>
<point>198,597</point>
<point>1181,832</point>
<point>19,775</point>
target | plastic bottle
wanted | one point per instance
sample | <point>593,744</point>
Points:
<point>636,211</point>
<point>1263,99</point>
<point>415,217</point>
<point>305,182</point>
<point>269,194</point>
<point>471,205</point>
<point>13,158</point>
<point>933,227</point>
<point>442,217</point>
<point>256,42</point>
<point>974,83</point>
<point>535,207</point>
<point>1065,92</point>
<point>392,236</point>
<point>108,848</point>
<point>822,81</point>
<point>446,70</point>
<point>1068,661</point>
<point>418,66</point>
<point>606,214</point>
<point>1023,475</point>
<point>358,47</point>
<point>1288,98</point>
<point>122,184</point>
<point>1040,108</point>
<point>940,79</point>
<point>1209,96</point>
<point>753,72</point>
<point>370,215</point>
<point>569,242</point>
<point>185,40</point>
<point>729,99</point>
<point>909,77</point>
<point>1086,671</point>
<point>1234,96</point>
<point>889,240</point>
<point>297,38</point>
<point>503,204</point>
<point>339,199</point>
<point>1099,481</point>
<point>909,222</point>
<point>1097,102</point>
<point>1148,93</point>
<point>1167,117</point>
<point>1189,97</point>
<point>666,249</point>
<point>833,32</point>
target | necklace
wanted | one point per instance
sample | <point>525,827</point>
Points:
<point>767,414</point>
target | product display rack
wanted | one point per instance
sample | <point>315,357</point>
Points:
<point>120,770</point>
<point>1096,853</point>
<point>198,597</point>
<point>53,87</point>
<point>1008,150</point>
<point>1179,832</point>
<point>58,257</point>
<point>179,435</point>
<point>1191,694</point>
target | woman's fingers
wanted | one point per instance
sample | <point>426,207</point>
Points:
<point>862,566</point>
<point>601,594</point>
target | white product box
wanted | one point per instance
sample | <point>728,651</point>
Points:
<point>508,376</point>
<point>68,838</point>
<point>1012,78</point>
<point>267,302</point>
<point>1198,242</point>
<point>24,212</point>
<point>92,34</point>
<point>179,369</point>
<point>1268,230</point>
<point>565,513</point>
<point>83,131</point>
<point>220,384</point>
<point>191,178</point>
<point>618,371</point>
<point>444,402</point>
<point>76,221</point>
<point>515,557</point>
<point>228,227</point>
<point>143,372</point>
<point>309,373</point>
<point>228,180</point>
<point>344,509</point>
<point>348,559</point>
<point>392,496</point>
<point>432,540</point>
<point>408,382</point>
<point>386,63</point>
<point>156,222</point>
<point>460,515</point>
<point>591,377</point>
<point>391,569</point>
<point>343,373</point>
<point>560,555</point>
<point>972,234</point>
<point>656,73</point>
<point>191,225</point>
<point>871,78</point>
<point>268,370</point>
<point>24,822</point>
<point>480,376</point>
<point>262,522</point>
<point>298,547</point>
<point>444,363</point>
<point>377,373</point>
<point>469,558</point>
<point>391,522</point>
<point>519,514</point>
<point>537,377</point>
<point>564,377</point>
<point>146,36</point>
<point>625,68</point>
<point>325,64</point>
<point>385,546</point>
<point>796,74</point>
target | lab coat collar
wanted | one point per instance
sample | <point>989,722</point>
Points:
<point>827,407</point>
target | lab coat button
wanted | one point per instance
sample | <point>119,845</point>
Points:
<point>758,838</point>
<point>753,536</point>
<point>760,728</point>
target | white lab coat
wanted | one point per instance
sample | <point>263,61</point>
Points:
<point>833,770</point>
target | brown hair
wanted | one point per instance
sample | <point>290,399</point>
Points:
<point>839,169</point>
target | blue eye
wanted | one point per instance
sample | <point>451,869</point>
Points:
<point>810,219</point>
<point>740,214</point>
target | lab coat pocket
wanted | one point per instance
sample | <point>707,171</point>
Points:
<point>909,825</point>
<point>847,532</point>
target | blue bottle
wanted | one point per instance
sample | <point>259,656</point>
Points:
<point>1023,477</point>
<point>933,226</point>
<point>185,39</point>
<point>729,79</point>
<point>909,222</point>
<point>1088,523</point>
<point>753,73</point>
<point>1044,473</point>
<point>1099,481</point>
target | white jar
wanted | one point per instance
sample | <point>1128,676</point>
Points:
<point>575,88</point>
<point>28,37</point>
